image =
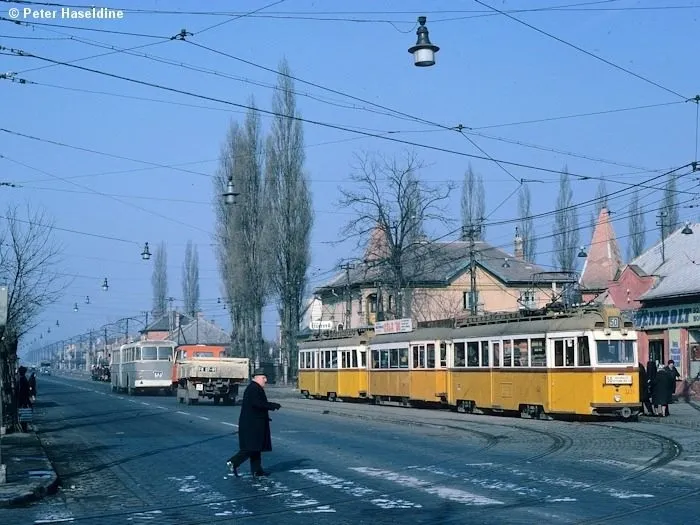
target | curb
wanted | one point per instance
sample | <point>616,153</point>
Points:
<point>38,491</point>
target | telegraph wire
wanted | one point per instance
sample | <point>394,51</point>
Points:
<point>296,118</point>
<point>580,49</point>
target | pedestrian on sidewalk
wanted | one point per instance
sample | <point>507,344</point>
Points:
<point>32,387</point>
<point>23,393</point>
<point>254,426</point>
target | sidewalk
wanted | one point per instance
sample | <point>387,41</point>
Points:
<point>30,475</point>
<point>682,413</point>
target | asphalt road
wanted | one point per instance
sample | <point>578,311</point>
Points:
<point>146,459</point>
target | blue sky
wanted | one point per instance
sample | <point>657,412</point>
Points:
<point>490,71</point>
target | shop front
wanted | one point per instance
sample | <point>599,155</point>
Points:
<point>672,332</point>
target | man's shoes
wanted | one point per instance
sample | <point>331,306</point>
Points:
<point>233,469</point>
<point>260,474</point>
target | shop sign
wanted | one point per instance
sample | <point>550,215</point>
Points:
<point>668,317</point>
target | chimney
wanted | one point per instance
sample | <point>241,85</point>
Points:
<point>518,245</point>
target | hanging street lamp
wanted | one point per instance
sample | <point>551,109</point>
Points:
<point>146,253</point>
<point>230,195</point>
<point>105,286</point>
<point>423,52</point>
<point>75,307</point>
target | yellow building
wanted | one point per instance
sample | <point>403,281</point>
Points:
<point>436,284</point>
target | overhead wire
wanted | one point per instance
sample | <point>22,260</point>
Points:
<point>580,49</point>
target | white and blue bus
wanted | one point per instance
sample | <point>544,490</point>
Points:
<point>142,366</point>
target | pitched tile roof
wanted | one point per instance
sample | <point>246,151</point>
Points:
<point>603,260</point>
<point>201,331</point>
<point>439,263</point>
<point>679,271</point>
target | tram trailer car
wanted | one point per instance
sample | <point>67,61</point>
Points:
<point>581,362</point>
<point>334,367</point>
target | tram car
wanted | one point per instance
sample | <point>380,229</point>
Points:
<point>577,362</point>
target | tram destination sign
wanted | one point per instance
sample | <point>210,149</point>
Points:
<point>393,326</point>
<point>668,316</point>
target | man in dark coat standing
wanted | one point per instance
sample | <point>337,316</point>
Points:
<point>254,426</point>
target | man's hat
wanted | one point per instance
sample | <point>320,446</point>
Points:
<point>259,372</point>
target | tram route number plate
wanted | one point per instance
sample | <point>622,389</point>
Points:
<point>618,380</point>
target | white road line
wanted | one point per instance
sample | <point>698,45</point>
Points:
<point>144,403</point>
<point>162,408</point>
<point>203,417</point>
<point>448,493</point>
<point>229,424</point>
<point>293,499</point>
<point>183,413</point>
<point>348,487</point>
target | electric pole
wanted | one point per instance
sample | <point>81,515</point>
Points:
<point>662,223</point>
<point>348,298</point>
<point>471,232</point>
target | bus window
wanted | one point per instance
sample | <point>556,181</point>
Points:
<point>165,353</point>
<point>148,353</point>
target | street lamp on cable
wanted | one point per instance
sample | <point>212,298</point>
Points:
<point>146,253</point>
<point>583,253</point>
<point>87,299</point>
<point>229,195</point>
<point>687,230</point>
<point>75,307</point>
<point>424,51</point>
<point>105,286</point>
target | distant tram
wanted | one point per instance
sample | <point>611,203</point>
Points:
<point>578,362</point>
<point>142,366</point>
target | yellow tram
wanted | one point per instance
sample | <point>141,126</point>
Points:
<point>581,362</point>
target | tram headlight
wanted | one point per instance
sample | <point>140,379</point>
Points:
<point>617,398</point>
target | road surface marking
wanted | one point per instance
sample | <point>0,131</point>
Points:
<point>348,487</point>
<point>181,412</point>
<point>229,424</point>
<point>203,417</point>
<point>448,493</point>
<point>144,403</point>
<point>293,499</point>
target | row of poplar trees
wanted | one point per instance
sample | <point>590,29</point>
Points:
<point>263,239</point>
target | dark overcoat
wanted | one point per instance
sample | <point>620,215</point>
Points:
<point>254,421</point>
<point>662,391</point>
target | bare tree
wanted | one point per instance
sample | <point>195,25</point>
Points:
<point>473,203</point>
<point>190,279</point>
<point>289,212</point>
<point>527,227</point>
<point>669,207</point>
<point>635,246</point>
<point>28,258</point>
<point>390,204</point>
<point>565,231</point>
<point>159,280</point>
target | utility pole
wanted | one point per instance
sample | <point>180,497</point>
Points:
<point>662,223</point>
<point>348,298</point>
<point>471,232</point>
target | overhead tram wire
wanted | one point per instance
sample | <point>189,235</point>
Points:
<point>117,199</point>
<point>93,29</point>
<point>300,119</point>
<point>239,17</point>
<point>580,49</point>
<point>393,113</point>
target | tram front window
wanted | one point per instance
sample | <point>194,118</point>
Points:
<point>615,352</point>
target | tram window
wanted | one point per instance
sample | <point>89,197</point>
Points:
<point>615,351</point>
<point>539,353</point>
<point>520,352</point>
<point>363,358</point>
<point>419,357</point>
<point>431,356</point>
<point>334,359</point>
<point>354,358</point>
<point>564,352</point>
<point>584,353</point>
<point>459,355</point>
<point>384,359</point>
<point>403,358</point>
<point>485,353</point>
<point>472,353</point>
<point>375,358</point>
<point>443,355</point>
<point>394,358</point>
<point>343,360</point>
<point>165,353</point>
<point>496,353</point>
<point>507,353</point>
